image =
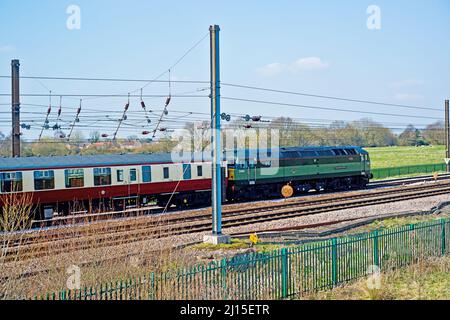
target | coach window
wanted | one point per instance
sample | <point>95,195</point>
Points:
<point>44,180</point>
<point>74,178</point>
<point>199,171</point>
<point>133,175</point>
<point>147,174</point>
<point>119,175</point>
<point>11,181</point>
<point>166,173</point>
<point>102,176</point>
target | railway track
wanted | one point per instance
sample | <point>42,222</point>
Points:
<point>33,244</point>
<point>153,210</point>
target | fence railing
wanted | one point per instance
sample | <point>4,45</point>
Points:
<point>282,273</point>
<point>381,173</point>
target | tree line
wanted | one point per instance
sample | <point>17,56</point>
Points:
<point>364,132</point>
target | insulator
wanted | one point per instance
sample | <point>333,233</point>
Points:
<point>104,135</point>
<point>166,112</point>
<point>247,118</point>
<point>143,105</point>
<point>49,110</point>
<point>149,121</point>
<point>77,120</point>
<point>79,110</point>
<point>162,129</point>
<point>59,112</point>
<point>46,127</point>
<point>168,101</point>
<point>125,117</point>
<point>145,132</point>
<point>248,126</point>
<point>127,106</point>
<point>256,118</point>
<point>46,121</point>
<point>228,118</point>
<point>60,135</point>
<point>223,116</point>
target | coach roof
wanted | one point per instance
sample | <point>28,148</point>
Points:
<point>100,160</point>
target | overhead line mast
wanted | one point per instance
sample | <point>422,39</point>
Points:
<point>216,237</point>
<point>15,106</point>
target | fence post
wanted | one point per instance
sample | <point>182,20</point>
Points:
<point>151,286</point>
<point>376,254</point>
<point>284,273</point>
<point>334,273</point>
<point>223,269</point>
<point>443,248</point>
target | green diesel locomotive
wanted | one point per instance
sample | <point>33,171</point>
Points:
<point>254,175</point>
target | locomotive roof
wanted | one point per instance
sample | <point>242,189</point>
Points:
<point>286,150</point>
<point>321,148</point>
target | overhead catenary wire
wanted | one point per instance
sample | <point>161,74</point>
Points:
<point>107,95</point>
<point>324,108</point>
<point>109,79</point>
<point>328,97</point>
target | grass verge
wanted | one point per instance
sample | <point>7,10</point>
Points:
<point>426,280</point>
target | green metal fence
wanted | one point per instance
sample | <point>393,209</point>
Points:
<point>382,173</point>
<point>282,273</point>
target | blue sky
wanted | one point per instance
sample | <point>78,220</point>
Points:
<point>315,47</point>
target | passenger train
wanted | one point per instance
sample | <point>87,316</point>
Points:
<point>63,184</point>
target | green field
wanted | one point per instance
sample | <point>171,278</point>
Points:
<point>387,157</point>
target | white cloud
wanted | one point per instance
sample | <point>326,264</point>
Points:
<point>6,48</point>
<point>302,64</point>
<point>408,96</point>
<point>406,83</point>
<point>271,69</point>
<point>309,63</point>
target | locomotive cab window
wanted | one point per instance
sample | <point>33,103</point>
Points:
<point>102,176</point>
<point>74,178</point>
<point>44,180</point>
<point>11,182</point>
